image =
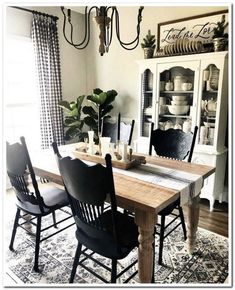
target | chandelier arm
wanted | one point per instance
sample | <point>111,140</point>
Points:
<point>87,30</point>
<point>139,19</point>
<point>64,26</point>
<point>85,36</point>
<point>123,44</point>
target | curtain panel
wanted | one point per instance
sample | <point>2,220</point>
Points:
<point>46,46</point>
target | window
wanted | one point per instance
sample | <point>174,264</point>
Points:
<point>21,92</point>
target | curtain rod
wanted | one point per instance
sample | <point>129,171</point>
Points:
<point>35,12</point>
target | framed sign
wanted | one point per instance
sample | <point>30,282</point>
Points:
<point>194,28</point>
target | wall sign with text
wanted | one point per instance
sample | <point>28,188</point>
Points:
<point>193,28</point>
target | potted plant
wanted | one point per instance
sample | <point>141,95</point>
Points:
<point>99,110</point>
<point>148,45</point>
<point>72,120</point>
<point>220,38</point>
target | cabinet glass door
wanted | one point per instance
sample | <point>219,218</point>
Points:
<point>176,98</point>
<point>208,108</point>
<point>146,103</point>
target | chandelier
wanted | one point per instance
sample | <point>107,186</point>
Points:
<point>105,18</point>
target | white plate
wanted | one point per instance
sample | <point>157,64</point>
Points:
<point>181,45</point>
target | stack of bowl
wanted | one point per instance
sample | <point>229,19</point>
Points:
<point>179,105</point>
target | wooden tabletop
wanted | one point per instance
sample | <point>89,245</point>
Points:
<point>130,192</point>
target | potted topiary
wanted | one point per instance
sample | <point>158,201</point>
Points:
<point>148,45</point>
<point>220,38</point>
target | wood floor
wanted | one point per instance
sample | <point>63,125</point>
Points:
<point>216,221</point>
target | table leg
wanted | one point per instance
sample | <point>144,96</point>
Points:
<point>193,218</point>
<point>146,222</point>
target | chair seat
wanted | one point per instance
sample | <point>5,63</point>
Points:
<point>127,230</point>
<point>53,198</point>
<point>127,237</point>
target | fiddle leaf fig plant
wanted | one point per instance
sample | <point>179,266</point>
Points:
<point>99,110</point>
<point>72,120</point>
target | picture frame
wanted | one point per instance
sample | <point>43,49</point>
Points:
<point>198,27</point>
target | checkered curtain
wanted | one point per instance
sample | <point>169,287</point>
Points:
<point>46,46</point>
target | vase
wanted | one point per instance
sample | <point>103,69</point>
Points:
<point>219,43</point>
<point>148,52</point>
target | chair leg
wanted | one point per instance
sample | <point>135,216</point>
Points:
<point>54,219</point>
<point>153,280</point>
<point>162,228</point>
<point>75,262</point>
<point>183,222</point>
<point>17,216</point>
<point>114,271</point>
<point>38,232</point>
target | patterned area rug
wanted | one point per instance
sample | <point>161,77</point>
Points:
<point>209,265</point>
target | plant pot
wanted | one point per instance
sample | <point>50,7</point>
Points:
<point>148,52</point>
<point>219,43</point>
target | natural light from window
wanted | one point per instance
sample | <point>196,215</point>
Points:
<point>21,93</point>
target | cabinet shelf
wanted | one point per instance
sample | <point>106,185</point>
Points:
<point>175,116</point>
<point>210,92</point>
<point>176,92</point>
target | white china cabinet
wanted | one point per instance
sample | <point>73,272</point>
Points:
<point>182,92</point>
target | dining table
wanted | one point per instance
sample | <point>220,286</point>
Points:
<point>143,196</point>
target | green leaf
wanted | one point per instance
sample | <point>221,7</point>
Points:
<point>73,113</point>
<point>90,122</point>
<point>102,97</point>
<point>94,98</point>
<point>88,110</point>
<point>64,105</point>
<point>68,121</point>
<point>97,91</point>
<point>83,135</point>
<point>106,110</point>
<point>98,99</point>
<point>75,124</point>
<point>80,101</point>
<point>71,133</point>
<point>111,95</point>
<point>73,105</point>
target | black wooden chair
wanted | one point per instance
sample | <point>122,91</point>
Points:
<point>106,232</point>
<point>175,144</point>
<point>32,202</point>
<point>119,131</point>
